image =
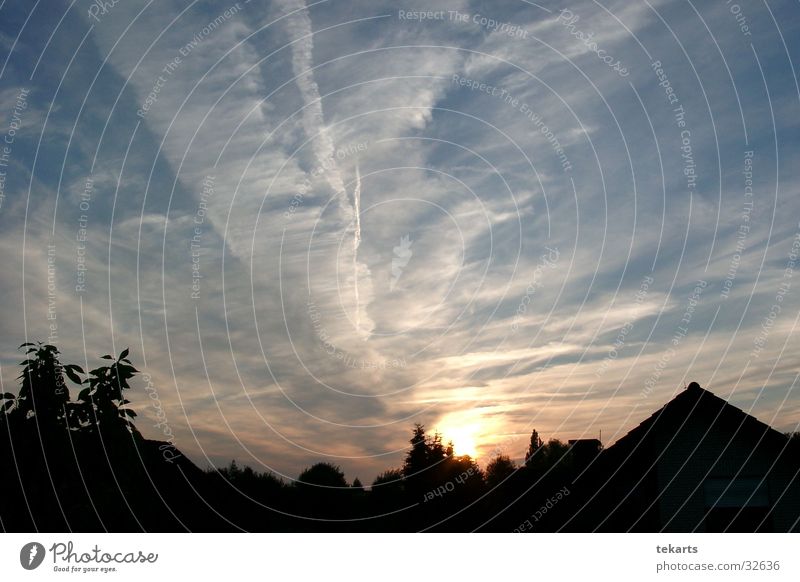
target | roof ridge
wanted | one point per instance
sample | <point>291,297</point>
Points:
<point>693,393</point>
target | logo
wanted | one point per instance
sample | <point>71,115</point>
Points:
<point>402,254</point>
<point>31,555</point>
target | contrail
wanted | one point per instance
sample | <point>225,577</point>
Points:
<point>299,25</point>
<point>357,242</point>
<point>313,120</point>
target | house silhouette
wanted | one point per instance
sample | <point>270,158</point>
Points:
<point>696,464</point>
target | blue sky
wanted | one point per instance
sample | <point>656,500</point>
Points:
<point>316,224</point>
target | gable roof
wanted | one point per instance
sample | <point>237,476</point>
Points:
<point>696,405</point>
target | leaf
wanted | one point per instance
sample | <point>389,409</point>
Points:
<point>75,367</point>
<point>129,412</point>
<point>84,394</point>
<point>126,372</point>
<point>107,357</point>
<point>8,396</point>
<point>26,344</point>
<point>124,353</point>
<point>73,376</point>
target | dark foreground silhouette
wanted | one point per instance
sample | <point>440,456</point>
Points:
<point>696,464</point>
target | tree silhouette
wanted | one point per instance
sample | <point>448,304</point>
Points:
<point>391,478</point>
<point>417,456</point>
<point>533,448</point>
<point>322,492</point>
<point>553,454</point>
<point>103,400</point>
<point>45,398</point>
<point>43,394</point>
<point>253,484</point>
<point>388,492</point>
<point>323,475</point>
<point>82,462</point>
<point>422,468</point>
<point>466,475</point>
<point>499,469</point>
<point>425,452</point>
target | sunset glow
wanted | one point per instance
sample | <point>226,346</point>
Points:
<point>465,439</point>
<point>467,431</point>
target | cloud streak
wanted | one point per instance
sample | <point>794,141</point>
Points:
<point>327,324</point>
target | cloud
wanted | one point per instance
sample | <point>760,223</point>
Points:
<point>237,180</point>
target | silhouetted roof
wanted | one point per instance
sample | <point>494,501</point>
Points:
<point>695,404</point>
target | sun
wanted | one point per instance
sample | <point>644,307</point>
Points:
<point>465,438</point>
<point>469,431</point>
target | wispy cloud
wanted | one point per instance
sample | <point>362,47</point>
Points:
<point>335,135</point>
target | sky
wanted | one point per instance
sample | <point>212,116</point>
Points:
<point>316,224</point>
